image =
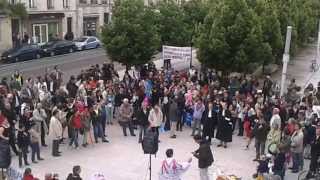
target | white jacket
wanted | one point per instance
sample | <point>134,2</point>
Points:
<point>55,130</point>
<point>155,119</point>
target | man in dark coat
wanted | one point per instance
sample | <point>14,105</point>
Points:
<point>142,116</point>
<point>72,87</point>
<point>210,121</point>
<point>204,156</point>
<point>224,132</point>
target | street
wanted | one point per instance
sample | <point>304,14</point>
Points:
<point>70,64</point>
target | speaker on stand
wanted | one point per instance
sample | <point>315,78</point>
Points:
<point>150,144</point>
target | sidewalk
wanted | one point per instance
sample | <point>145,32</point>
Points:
<point>299,68</point>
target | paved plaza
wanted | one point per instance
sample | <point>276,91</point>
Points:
<point>123,159</point>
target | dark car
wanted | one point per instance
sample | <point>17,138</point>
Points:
<point>22,53</point>
<point>58,47</point>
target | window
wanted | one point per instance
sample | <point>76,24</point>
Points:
<point>32,4</point>
<point>106,18</point>
<point>91,40</point>
<point>83,1</point>
<point>94,1</point>
<point>104,1</point>
<point>50,4</point>
<point>66,3</point>
<point>13,1</point>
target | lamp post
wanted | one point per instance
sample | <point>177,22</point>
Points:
<point>285,60</point>
<point>318,45</point>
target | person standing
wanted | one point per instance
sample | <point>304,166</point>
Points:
<point>173,116</point>
<point>39,116</point>
<point>260,132</point>
<point>210,121</point>
<point>273,137</point>
<point>95,115</point>
<point>23,144</point>
<point>4,142</point>
<point>125,121</point>
<point>35,147</point>
<point>171,169</point>
<point>204,156</point>
<point>275,119</point>
<point>55,131</point>
<point>142,116</point>
<point>155,119</point>
<point>224,132</point>
<point>109,107</point>
<point>297,149</point>
<point>181,110</point>
<point>198,110</point>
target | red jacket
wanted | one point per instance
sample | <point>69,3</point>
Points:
<point>77,120</point>
<point>29,177</point>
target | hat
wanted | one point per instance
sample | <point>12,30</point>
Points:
<point>259,91</point>
<point>125,100</point>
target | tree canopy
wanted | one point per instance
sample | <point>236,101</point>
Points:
<point>228,34</point>
<point>237,33</point>
<point>17,10</point>
<point>131,38</point>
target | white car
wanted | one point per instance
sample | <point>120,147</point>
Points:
<point>87,42</point>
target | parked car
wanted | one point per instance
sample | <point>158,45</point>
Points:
<point>87,42</point>
<point>53,48</point>
<point>22,53</point>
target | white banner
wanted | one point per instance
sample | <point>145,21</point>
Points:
<point>176,53</point>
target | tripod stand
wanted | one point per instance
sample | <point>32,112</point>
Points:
<point>149,166</point>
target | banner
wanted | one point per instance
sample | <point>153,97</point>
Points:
<point>176,53</point>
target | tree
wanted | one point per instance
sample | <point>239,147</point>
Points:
<point>173,28</point>
<point>270,26</point>
<point>17,10</point>
<point>231,38</point>
<point>131,38</point>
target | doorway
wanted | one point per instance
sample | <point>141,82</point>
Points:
<point>40,33</point>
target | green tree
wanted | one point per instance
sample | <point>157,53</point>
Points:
<point>231,38</point>
<point>131,38</point>
<point>17,10</point>
<point>270,26</point>
<point>173,28</point>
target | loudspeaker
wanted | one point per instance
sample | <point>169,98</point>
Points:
<point>150,142</point>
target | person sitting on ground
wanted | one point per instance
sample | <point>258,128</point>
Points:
<point>27,175</point>
<point>75,175</point>
<point>171,169</point>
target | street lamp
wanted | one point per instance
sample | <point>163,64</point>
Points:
<point>285,59</point>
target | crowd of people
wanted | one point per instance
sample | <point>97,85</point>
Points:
<point>145,98</point>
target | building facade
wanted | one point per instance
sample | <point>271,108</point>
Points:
<point>5,40</point>
<point>92,15</point>
<point>47,19</point>
<point>53,19</point>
